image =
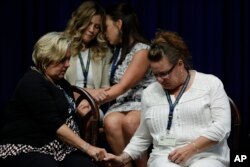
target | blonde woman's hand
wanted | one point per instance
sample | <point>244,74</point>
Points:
<point>98,154</point>
<point>83,108</point>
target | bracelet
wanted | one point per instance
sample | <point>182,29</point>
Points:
<point>195,146</point>
<point>86,147</point>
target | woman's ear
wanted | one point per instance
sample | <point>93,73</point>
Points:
<point>119,24</point>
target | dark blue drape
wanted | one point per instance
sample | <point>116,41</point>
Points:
<point>216,31</point>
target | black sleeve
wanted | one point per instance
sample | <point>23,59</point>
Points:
<point>45,102</point>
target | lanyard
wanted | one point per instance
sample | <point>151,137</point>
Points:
<point>72,105</point>
<point>114,64</point>
<point>172,106</point>
<point>85,70</point>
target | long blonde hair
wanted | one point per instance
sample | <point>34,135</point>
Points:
<point>79,22</point>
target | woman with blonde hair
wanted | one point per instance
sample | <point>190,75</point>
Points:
<point>90,57</point>
<point>41,122</point>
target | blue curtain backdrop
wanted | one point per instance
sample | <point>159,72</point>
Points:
<point>216,31</point>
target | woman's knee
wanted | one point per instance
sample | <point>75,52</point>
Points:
<point>162,161</point>
<point>207,162</point>
<point>130,123</point>
<point>112,123</point>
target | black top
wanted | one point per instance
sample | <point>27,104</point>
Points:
<point>37,109</point>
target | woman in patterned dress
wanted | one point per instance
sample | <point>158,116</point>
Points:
<point>40,128</point>
<point>129,75</point>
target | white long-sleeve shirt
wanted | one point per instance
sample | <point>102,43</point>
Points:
<point>203,110</point>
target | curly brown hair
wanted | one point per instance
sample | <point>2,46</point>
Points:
<point>171,45</point>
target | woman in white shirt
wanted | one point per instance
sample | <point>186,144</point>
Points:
<point>185,115</point>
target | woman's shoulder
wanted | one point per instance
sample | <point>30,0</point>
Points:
<point>207,77</point>
<point>153,90</point>
<point>139,46</point>
<point>154,87</point>
<point>206,80</point>
<point>30,80</point>
<point>32,76</point>
<point>153,95</point>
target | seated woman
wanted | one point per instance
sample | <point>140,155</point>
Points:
<point>185,115</point>
<point>41,127</point>
<point>89,63</point>
<point>129,75</point>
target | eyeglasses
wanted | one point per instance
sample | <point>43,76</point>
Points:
<point>164,74</point>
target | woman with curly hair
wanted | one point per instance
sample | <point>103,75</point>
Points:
<point>90,54</point>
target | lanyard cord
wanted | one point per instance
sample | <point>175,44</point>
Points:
<point>114,64</point>
<point>85,71</point>
<point>72,105</point>
<point>172,106</point>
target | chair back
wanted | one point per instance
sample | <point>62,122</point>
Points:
<point>234,138</point>
<point>88,125</point>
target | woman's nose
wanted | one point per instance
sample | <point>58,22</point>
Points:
<point>66,64</point>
